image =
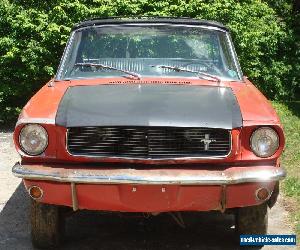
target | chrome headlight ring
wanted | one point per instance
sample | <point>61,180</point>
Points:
<point>264,142</point>
<point>33,139</point>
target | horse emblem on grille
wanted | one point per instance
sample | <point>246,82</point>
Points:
<point>207,141</point>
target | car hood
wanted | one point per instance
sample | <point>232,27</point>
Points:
<point>149,105</point>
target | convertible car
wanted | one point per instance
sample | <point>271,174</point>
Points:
<point>149,115</point>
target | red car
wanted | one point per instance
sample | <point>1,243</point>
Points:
<point>149,115</point>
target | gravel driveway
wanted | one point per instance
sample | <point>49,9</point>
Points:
<point>91,230</point>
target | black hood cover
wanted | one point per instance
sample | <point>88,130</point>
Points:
<point>149,105</point>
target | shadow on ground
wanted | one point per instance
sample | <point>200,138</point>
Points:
<point>14,224</point>
<point>93,230</point>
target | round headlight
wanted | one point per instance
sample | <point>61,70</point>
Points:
<point>33,139</point>
<point>264,142</point>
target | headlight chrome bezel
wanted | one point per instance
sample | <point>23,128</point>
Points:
<point>277,143</point>
<point>26,151</point>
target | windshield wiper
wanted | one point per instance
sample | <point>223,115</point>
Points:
<point>200,74</point>
<point>103,66</point>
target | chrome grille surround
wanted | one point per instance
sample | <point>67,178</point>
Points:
<point>153,143</point>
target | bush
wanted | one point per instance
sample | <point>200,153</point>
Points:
<point>33,34</point>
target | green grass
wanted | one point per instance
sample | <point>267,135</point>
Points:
<point>289,113</point>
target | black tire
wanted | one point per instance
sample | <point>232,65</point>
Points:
<point>47,225</point>
<point>252,220</point>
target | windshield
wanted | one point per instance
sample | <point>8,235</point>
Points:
<point>143,49</point>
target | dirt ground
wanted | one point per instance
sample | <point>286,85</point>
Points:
<point>92,230</point>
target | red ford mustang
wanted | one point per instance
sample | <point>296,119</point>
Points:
<point>149,115</point>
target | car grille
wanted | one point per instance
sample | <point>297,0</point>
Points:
<point>148,142</point>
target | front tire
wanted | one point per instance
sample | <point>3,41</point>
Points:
<point>47,225</point>
<point>252,220</point>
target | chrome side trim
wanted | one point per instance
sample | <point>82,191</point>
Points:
<point>81,174</point>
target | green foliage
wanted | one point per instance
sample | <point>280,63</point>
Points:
<point>289,113</point>
<point>292,187</point>
<point>33,34</point>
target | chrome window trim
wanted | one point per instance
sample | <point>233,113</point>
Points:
<point>144,78</point>
<point>234,55</point>
<point>57,77</point>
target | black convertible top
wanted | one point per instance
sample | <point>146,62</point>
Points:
<point>142,19</point>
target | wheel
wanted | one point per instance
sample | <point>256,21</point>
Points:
<point>47,225</point>
<point>252,220</point>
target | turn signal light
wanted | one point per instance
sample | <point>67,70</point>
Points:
<point>262,194</point>
<point>35,192</point>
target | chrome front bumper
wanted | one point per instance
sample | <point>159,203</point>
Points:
<point>208,176</point>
